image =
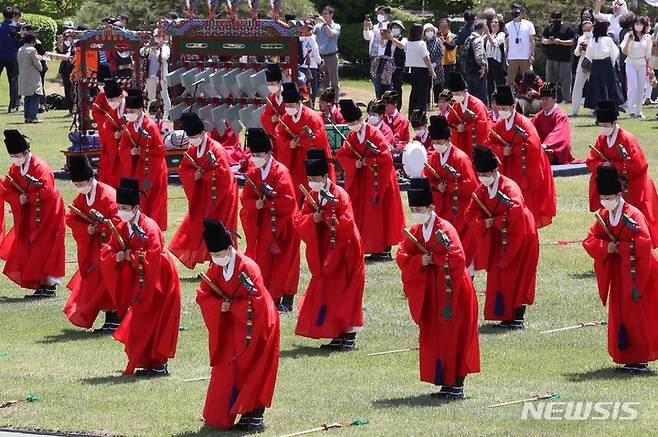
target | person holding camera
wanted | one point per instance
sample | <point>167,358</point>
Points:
<point>8,52</point>
<point>29,77</point>
<point>327,32</point>
<point>520,44</point>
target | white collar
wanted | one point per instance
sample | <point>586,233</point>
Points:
<point>361,134</point>
<point>229,268</point>
<point>91,197</point>
<point>494,116</point>
<point>446,154</point>
<point>616,216</point>
<point>26,165</point>
<point>423,137</point>
<point>139,121</point>
<point>202,147</point>
<point>510,121</point>
<point>264,171</point>
<point>327,186</point>
<point>493,188</point>
<point>551,111</point>
<point>464,104</point>
<point>136,220</point>
<point>428,227</point>
<point>392,116</point>
<point>298,116</point>
<point>278,98</point>
<point>613,136</point>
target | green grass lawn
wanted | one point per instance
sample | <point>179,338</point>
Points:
<point>77,374</point>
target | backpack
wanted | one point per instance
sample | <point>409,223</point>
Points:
<point>467,56</point>
<point>55,101</point>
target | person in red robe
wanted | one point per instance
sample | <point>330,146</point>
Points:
<point>453,182</point>
<point>142,156</point>
<point>328,107</point>
<point>398,123</point>
<point>210,188</point>
<point>89,296</point>
<point>508,242</point>
<point>275,108</point>
<point>331,307</point>
<point>514,139</point>
<point>237,156</point>
<point>376,110</point>
<point>626,272</point>
<point>269,206</point>
<point>33,249</point>
<point>107,112</point>
<point>441,297</point>
<point>419,124</point>
<point>304,130</point>
<point>243,336</point>
<point>142,280</point>
<point>618,148</point>
<point>552,125</point>
<point>468,117</point>
<point>444,102</point>
<point>371,182</point>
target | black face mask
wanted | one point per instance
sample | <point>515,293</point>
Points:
<point>516,14</point>
<point>557,22</point>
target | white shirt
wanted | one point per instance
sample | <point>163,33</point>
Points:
<point>581,39</point>
<point>324,200</point>
<point>415,52</point>
<point>361,135</point>
<point>136,221</point>
<point>229,268</point>
<point>492,50</point>
<point>428,227</point>
<point>509,123</point>
<point>375,48</point>
<point>264,171</point>
<point>548,113</point>
<point>26,165</point>
<point>310,52</point>
<point>519,39</point>
<point>158,58</point>
<point>638,51</point>
<point>91,197</point>
<point>298,116</point>
<point>604,48</point>
<point>615,27</point>
<point>616,216</point>
<point>612,138</point>
<point>464,104</point>
<point>202,147</point>
<point>493,188</point>
<point>445,155</point>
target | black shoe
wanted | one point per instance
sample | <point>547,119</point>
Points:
<point>349,342</point>
<point>456,393</point>
<point>335,344</point>
<point>443,393</point>
<point>516,324</point>
<point>256,425</point>
<point>158,371</point>
<point>638,368</point>
<point>243,423</point>
<point>105,329</point>
<point>284,308</point>
<point>503,325</point>
<point>38,294</point>
<point>142,372</point>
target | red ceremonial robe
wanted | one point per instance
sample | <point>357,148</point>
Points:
<point>33,251</point>
<point>243,374</point>
<point>636,318</point>
<point>449,345</point>
<point>528,167</point>
<point>388,134</point>
<point>89,296</point>
<point>150,303</point>
<point>554,131</point>
<point>511,271</point>
<point>272,240</point>
<point>452,203</point>
<point>334,116</point>
<point>108,121</point>
<point>399,124</point>
<point>188,244</point>
<point>375,197</point>
<point>293,159</point>
<point>426,141</point>
<point>278,109</point>
<point>640,190</point>
<point>231,143</point>
<point>154,202</point>
<point>333,300</point>
<point>476,129</point>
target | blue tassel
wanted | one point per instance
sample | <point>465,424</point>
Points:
<point>622,340</point>
<point>438,373</point>
<point>321,316</point>
<point>636,293</point>
<point>234,397</point>
<point>498,308</point>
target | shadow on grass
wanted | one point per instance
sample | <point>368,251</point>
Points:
<point>493,329</point>
<point>583,275</point>
<point>608,373</point>
<point>13,299</point>
<point>306,351</point>
<point>420,400</point>
<point>192,279</point>
<point>205,430</point>
<point>116,379</point>
<point>72,335</point>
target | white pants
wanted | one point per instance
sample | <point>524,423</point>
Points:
<point>577,92</point>
<point>151,92</point>
<point>636,80</point>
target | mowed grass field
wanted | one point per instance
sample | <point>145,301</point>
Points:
<point>77,374</point>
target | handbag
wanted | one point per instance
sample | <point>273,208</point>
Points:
<point>586,65</point>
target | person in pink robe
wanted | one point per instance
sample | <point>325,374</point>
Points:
<point>398,123</point>
<point>552,125</point>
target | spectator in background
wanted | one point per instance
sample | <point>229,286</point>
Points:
<point>310,58</point>
<point>495,51</point>
<point>44,65</point>
<point>489,14</point>
<point>29,77</point>
<point>17,15</point>
<point>582,75</point>
<point>528,97</point>
<point>603,82</point>
<point>157,55</point>
<point>66,47</point>
<point>619,8</point>
<point>421,71</point>
<point>376,44</point>
<point>520,45</point>
<point>585,15</point>
<point>557,40</point>
<point>326,34</point>
<point>122,21</point>
<point>626,24</point>
<point>395,46</point>
<point>435,48</point>
<point>473,60</point>
<point>636,46</point>
<point>8,52</point>
<point>653,62</point>
<point>449,41</point>
<point>467,29</point>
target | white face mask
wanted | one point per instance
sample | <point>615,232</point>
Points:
<point>430,34</point>
<point>83,190</point>
<point>381,18</point>
<point>355,127</point>
<point>18,161</point>
<point>588,34</point>
<point>396,32</point>
<point>458,99</point>
<point>487,180</point>
<point>196,141</point>
<point>419,132</point>
<point>441,148</point>
<point>125,216</point>
<point>607,131</point>
<point>67,43</point>
<point>421,217</point>
<point>610,205</point>
<point>373,119</point>
<point>114,104</point>
<point>315,186</point>
<point>274,88</point>
<point>222,260</point>
<point>259,161</point>
<point>131,116</point>
<point>505,114</point>
<point>291,111</point>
